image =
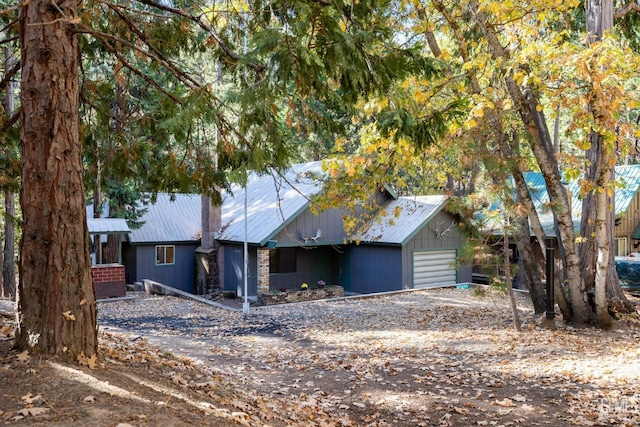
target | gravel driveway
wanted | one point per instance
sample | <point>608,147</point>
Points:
<point>432,357</point>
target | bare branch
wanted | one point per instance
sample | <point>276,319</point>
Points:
<point>131,67</point>
<point>158,55</point>
<point>9,74</point>
<point>183,77</point>
<point>624,10</point>
<point>11,121</point>
<point>8,10</point>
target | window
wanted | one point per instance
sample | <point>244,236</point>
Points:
<point>282,260</point>
<point>621,246</point>
<point>165,255</point>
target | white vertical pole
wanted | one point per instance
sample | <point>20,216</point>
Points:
<point>245,304</point>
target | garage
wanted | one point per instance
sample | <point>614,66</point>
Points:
<point>434,268</point>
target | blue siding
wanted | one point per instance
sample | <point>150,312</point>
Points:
<point>234,270</point>
<point>375,269</point>
<point>140,264</point>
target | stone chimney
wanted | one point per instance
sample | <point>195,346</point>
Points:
<point>211,217</point>
<point>209,261</point>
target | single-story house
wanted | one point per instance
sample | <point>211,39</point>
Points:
<point>416,249</point>
<point>414,245</point>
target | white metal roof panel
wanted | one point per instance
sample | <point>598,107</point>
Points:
<point>412,214</point>
<point>172,218</point>
<point>107,226</point>
<point>273,200</point>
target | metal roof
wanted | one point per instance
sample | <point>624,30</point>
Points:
<point>627,176</point>
<point>172,218</point>
<point>107,226</point>
<point>273,200</point>
<point>403,218</point>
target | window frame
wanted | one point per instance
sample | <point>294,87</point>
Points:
<point>164,253</point>
<point>621,241</point>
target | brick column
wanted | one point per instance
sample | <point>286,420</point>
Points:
<point>263,271</point>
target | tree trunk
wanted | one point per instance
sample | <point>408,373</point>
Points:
<point>527,104</point>
<point>598,260</point>
<point>9,257</point>
<point>531,271</point>
<point>602,242</point>
<point>507,278</point>
<point>9,248</point>
<point>56,296</point>
<point>599,18</point>
<point>97,211</point>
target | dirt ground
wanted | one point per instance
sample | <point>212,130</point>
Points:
<point>446,357</point>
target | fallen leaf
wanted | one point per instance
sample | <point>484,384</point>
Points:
<point>506,402</point>
<point>30,399</point>
<point>24,356</point>
<point>34,412</point>
<point>67,315</point>
<point>89,399</point>
<point>91,362</point>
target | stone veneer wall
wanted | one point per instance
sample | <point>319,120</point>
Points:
<point>263,271</point>
<point>299,295</point>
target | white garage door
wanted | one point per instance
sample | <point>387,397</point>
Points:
<point>433,268</point>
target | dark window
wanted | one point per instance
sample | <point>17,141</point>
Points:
<point>282,260</point>
<point>165,255</point>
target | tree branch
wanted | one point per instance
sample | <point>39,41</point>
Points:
<point>158,55</point>
<point>214,34</point>
<point>12,120</point>
<point>624,10</point>
<point>9,74</point>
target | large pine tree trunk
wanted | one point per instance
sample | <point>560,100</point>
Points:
<point>56,296</point>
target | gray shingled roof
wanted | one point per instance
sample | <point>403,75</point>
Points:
<point>273,201</point>
<point>170,221</point>
<point>413,213</point>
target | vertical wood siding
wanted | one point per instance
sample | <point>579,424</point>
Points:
<point>180,275</point>
<point>234,269</point>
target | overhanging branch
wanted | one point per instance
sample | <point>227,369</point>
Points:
<point>624,10</point>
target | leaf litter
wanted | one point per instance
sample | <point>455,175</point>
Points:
<point>425,358</point>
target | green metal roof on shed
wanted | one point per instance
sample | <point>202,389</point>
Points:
<point>628,177</point>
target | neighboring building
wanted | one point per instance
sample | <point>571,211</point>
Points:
<point>627,206</point>
<point>163,248</point>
